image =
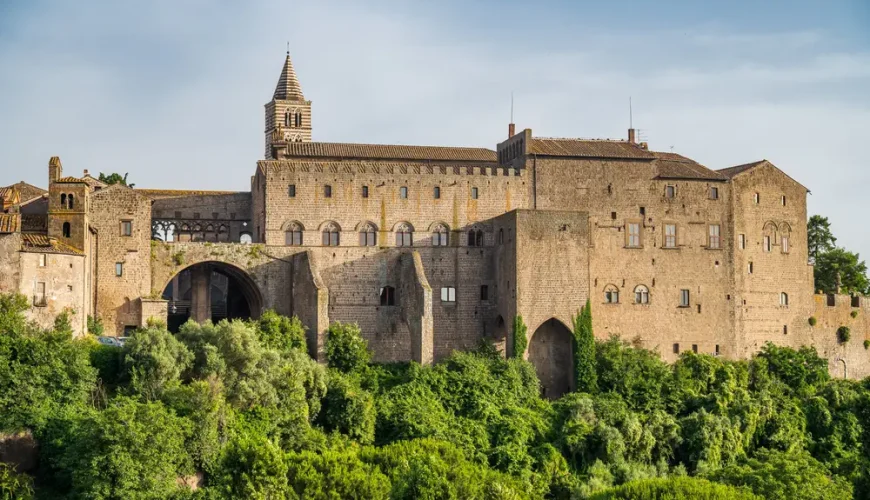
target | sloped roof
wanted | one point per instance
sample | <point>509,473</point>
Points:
<point>388,152</point>
<point>730,172</point>
<point>10,223</point>
<point>288,88</point>
<point>675,166</point>
<point>586,148</point>
<point>43,244</point>
<point>180,193</point>
<point>28,191</point>
<point>9,196</point>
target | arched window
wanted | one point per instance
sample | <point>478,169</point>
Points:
<point>288,118</point>
<point>331,235</point>
<point>246,238</point>
<point>783,299</point>
<point>440,236</point>
<point>66,230</point>
<point>784,237</point>
<point>63,200</point>
<point>293,234</point>
<point>611,294</point>
<point>368,235</point>
<point>298,119</point>
<point>768,238</point>
<point>500,236</point>
<point>70,202</point>
<point>475,238</point>
<point>404,235</point>
<point>641,294</point>
<point>388,296</point>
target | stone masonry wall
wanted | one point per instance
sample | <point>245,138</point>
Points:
<point>64,279</point>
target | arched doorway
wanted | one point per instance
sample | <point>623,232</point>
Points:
<point>550,351</point>
<point>211,291</point>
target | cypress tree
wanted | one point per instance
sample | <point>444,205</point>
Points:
<point>584,351</point>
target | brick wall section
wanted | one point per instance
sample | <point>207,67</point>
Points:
<point>231,211</point>
<point>153,309</point>
<point>117,297</point>
<point>310,301</point>
<point>416,307</point>
<point>64,278</point>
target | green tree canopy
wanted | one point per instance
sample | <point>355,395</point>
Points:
<point>819,236</point>
<point>843,268</point>
<point>115,178</point>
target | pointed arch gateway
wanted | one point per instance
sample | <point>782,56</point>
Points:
<point>551,353</point>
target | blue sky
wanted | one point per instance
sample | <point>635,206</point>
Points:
<point>173,92</point>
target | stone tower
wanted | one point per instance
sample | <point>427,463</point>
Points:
<point>288,114</point>
<point>67,206</point>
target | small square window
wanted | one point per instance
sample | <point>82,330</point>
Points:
<point>670,191</point>
<point>119,269</point>
<point>126,228</point>
<point>642,210</point>
<point>695,348</point>
<point>403,193</point>
<point>474,193</point>
<point>436,192</point>
<point>365,191</point>
<point>327,191</point>
<point>684,298</point>
<point>448,294</point>
<point>714,193</point>
<point>484,292</point>
<point>292,191</point>
<point>613,215</point>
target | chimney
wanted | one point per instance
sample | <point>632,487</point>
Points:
<point>86,172</point>
<point>511,130</point>
<point>631,137</point>
<point>55,170</point>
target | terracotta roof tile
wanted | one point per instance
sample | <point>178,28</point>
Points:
<point>10,223</point>
<point>675,166</point>
<point>388,152</point>
<point>69,180</point>
<point>43,244</point>
<point>732,171</point>
<point>179,193</point>
<point>587,148</point>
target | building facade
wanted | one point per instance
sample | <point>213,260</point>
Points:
<point>434,249</point>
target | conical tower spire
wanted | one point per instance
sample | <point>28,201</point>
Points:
<point>288,88</point>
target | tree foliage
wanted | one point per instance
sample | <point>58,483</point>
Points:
<point>520,338</point>
<point>115,178</point>
<point>820,239</point>
<point>841,271</point>
<point>585,375</point>
<point>346,350</point>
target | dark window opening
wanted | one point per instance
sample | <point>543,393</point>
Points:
<point>475,238</point>
<point>699,308</point>
<point>856,301</point>
<point>292,191</point>
<point>388,296</point>
<point>474,193</point>
<point>832,300</point>
<point>436,192</point>
<point>484,292</point>
<point>613,215</point>
<point>365,191</point>
<point>642,210</point>
<point>785,329</point>
<point>403,192</point>
<point>676,348</point>
<point>717,349</point>
<point>695,348</point>
<point>327,191</point>
<point>66,230</point>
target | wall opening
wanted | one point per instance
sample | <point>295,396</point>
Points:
<point>550,351</point>
<point>211,291</point>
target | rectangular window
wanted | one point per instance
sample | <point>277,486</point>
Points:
<point>448,294</point>
<point>714,241</point>
<point>783,201</point>
<point>756,198</point>
<point>42,260</point>
<point>785,244</point>
<point>403,193</point>
<point>785,329</point>
<point>741,241</point>
<point>484,292</point>
<point>695,348</point>
<point>670,191</point>
<point>676,348</point>
<point>642,210</point>
<point>126,228</point>
<point>388,296</point>
<point>717,350</point>
<point>292,191</point>
<point>751,268</point>
<point>473,193</point>
<point>766,243</point>
<point>327,191</point>
<point>39,295</point>
<point>714,193</point>
<point>832,300</point>
<point>670,235</point>
<point>633,234</point>
<point>684,298</point>
<point>436,193</point>
<point>365,191</point>
<point>119,268</point>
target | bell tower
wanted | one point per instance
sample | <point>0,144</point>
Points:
<point>288,114</point>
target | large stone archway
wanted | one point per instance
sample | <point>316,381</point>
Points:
<point>212,291</point>
<point>550,351</point>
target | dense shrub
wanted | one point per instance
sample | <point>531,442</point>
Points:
<point>678,488</point>
<point>520,339</point>
<point>14,486</point>
<point>154,360</point>
<point>843,334</point>
<point>346,350</point>
<point>280,332</point>
<point>348,409</point>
